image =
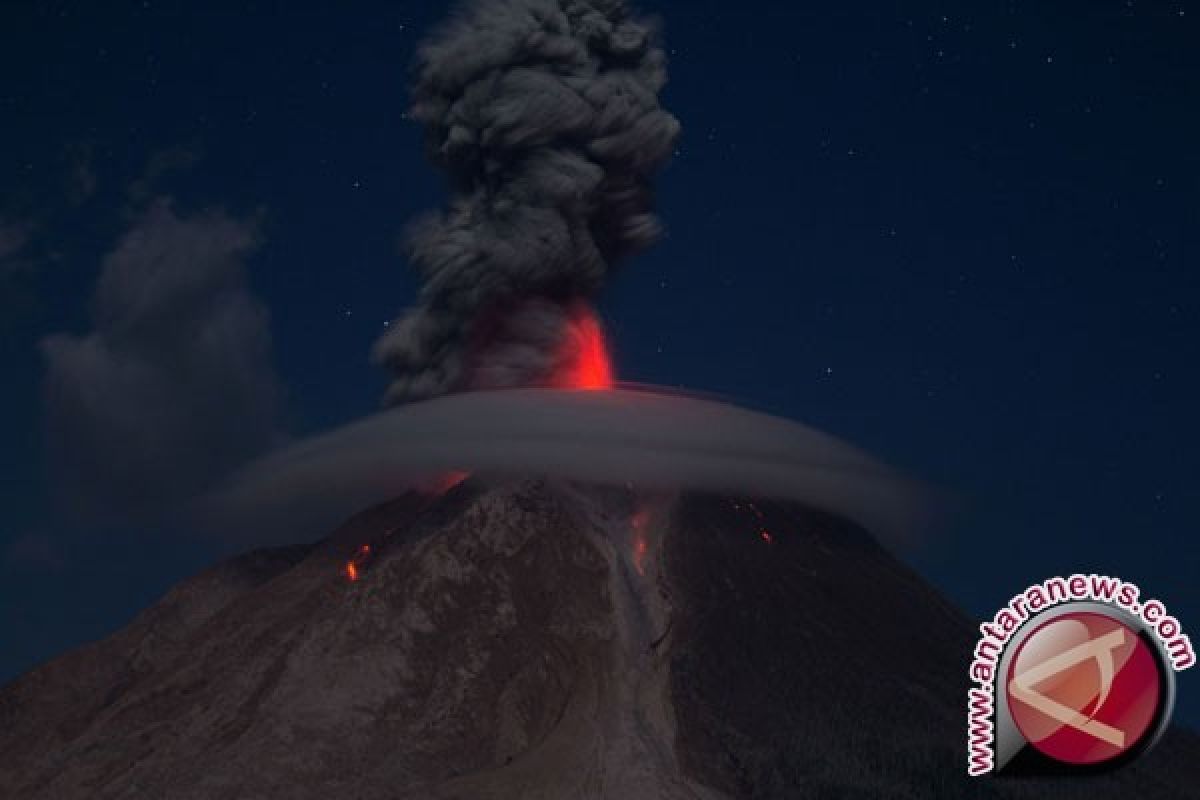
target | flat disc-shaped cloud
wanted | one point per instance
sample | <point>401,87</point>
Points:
<point>649,440</point>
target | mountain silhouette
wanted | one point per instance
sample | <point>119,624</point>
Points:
<point>535,639</point>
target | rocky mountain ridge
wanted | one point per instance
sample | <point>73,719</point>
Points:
<point>534,639</point>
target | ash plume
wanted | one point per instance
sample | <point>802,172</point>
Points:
<point>544,114</point>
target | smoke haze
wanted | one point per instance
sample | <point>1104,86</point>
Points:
<point>173,386</point>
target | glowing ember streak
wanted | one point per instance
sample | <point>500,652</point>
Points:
<point>363,555</point>
<point>765,535</point>
<point>351,568</point>
<point>639,556</point>
<point>451,479</point>
<point>638,523</point>
<point>584,355</point>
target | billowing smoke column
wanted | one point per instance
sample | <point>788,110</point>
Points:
<point>545,115</point>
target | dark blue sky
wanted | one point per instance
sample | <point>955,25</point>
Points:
<point>962,236</point>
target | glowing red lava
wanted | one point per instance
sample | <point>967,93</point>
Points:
<point>763,533</point>
<point>638,524</point>
<point>435,488</point>
<point>448,481</point>
<point>353,564</point>
<point>584,362</point>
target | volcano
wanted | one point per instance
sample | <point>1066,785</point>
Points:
<point>535,639</point>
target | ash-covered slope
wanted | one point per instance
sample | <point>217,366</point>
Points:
<point>533,640</point>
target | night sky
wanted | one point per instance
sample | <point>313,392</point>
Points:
<point>961,236</point>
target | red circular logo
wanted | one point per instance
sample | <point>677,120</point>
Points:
<point>1084,688</point>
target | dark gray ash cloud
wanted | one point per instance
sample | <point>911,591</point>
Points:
<point>173,386</point>
<point>545,116</point>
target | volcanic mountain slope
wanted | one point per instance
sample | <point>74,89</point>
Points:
<point>534,640</point>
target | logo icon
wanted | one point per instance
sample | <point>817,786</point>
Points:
<point>1084,688</point>
<point>1074,674</point>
